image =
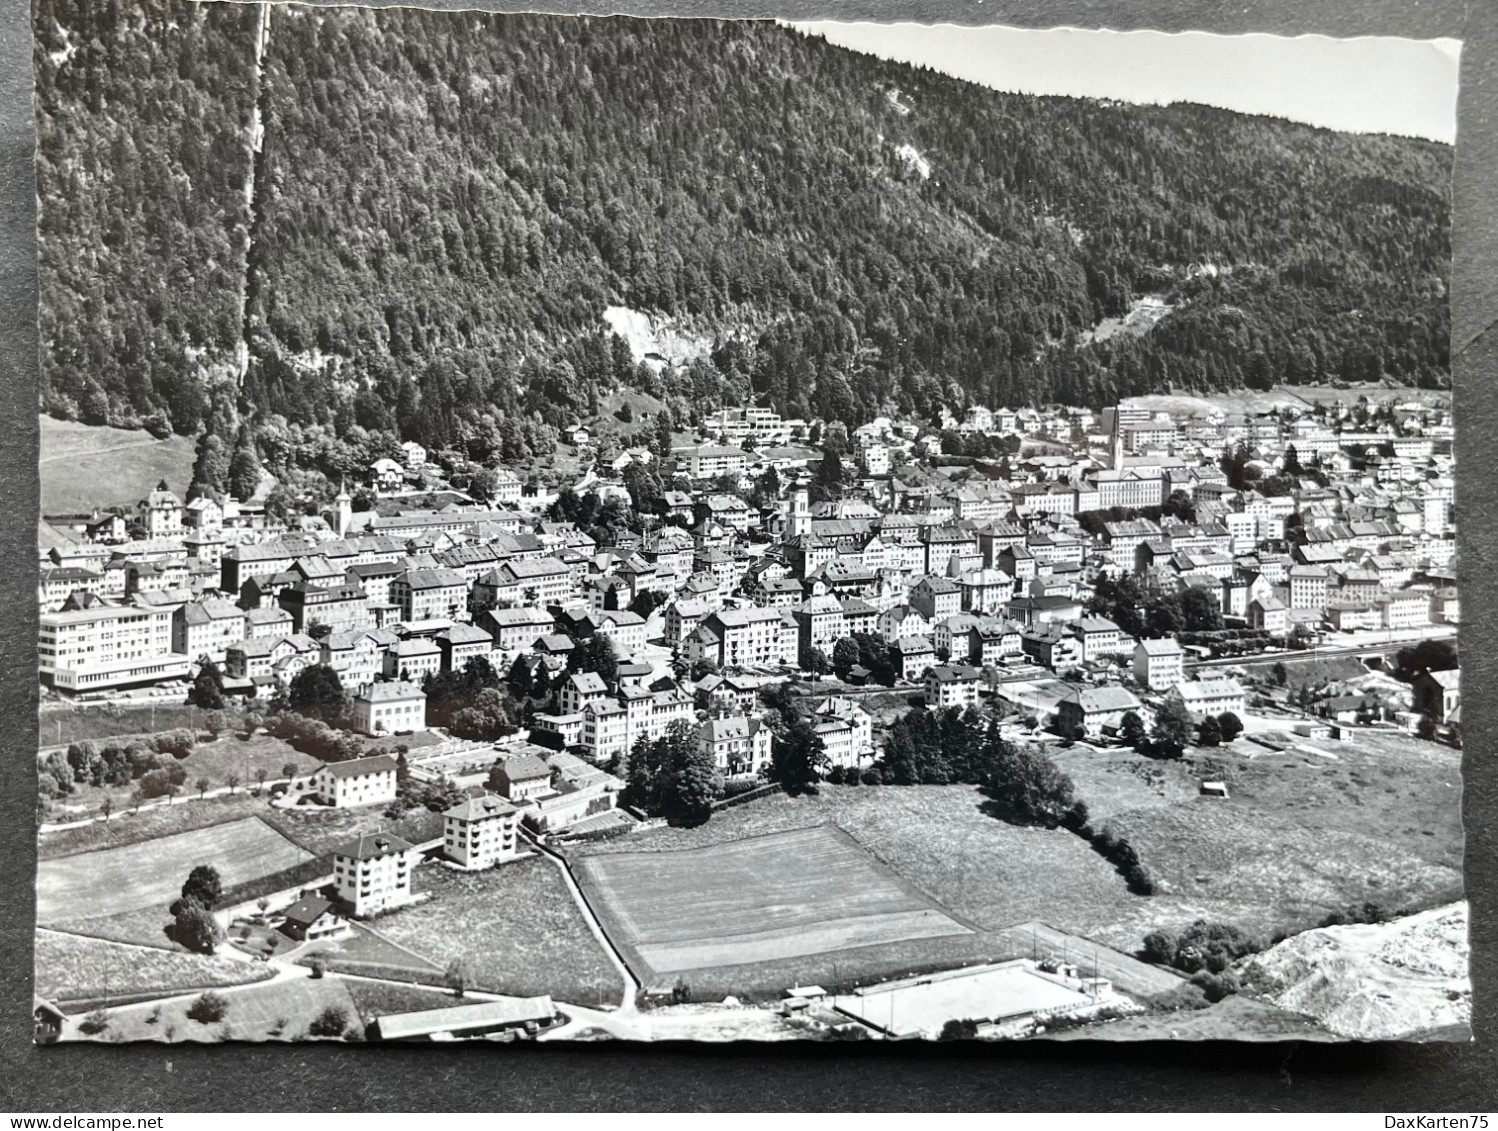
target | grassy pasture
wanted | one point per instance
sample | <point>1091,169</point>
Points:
<point>380,999</point>
<point>516,925</point>
<point>62,722</point>
<point>83,466</point>
<point>1303,834</point>
<point>320,830</point>
<point>369,953</point>
<point>74,968</point>
<point>142,875</point>
<point>279,1011</point>
<point>143,926</point>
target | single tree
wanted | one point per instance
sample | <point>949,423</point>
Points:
<point>261,773</point>
<point>1230,724</point>
<point>1209,733</point>
<point>208,1008</point>
<point>203,786</point>
<point>207,690</point>
<point>595,654</point>
<point>203,886</point>
<point>459,976</point>
<point>194,926</point>
<point>317,691</point>
<point>1172,733</point>
<point>844,656</point>
<point>1131,730</point>
<point>331,1022</point>
<point>232,781</point>
<point>797,757</point>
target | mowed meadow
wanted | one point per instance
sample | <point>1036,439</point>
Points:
<point>84,466</point>
<point>98,884</point>
<point>783,895</point>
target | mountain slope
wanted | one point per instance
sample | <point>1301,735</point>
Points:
<point>448,202</point>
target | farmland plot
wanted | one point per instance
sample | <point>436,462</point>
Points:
<point>96,884</point>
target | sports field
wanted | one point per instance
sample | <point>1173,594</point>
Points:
<point>114,880</point>
<point>785,895</point>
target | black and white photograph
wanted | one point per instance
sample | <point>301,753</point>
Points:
<point>604,529</point>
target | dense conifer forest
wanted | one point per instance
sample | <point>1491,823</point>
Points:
<point>445,204</point>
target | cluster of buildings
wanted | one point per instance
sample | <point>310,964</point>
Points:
<point>1336,519</point>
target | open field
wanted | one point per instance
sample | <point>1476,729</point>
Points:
<point>277,1011</point>
<point>1308,669</point>
<point>784,895</point>
<point>142,875</point>
<point>380,999</point>
<point>1039,941</point>
<point>367,952</point>
<point>1116,780</point>
<point>74,968</point>
<point>141,926</point>
<point>83,466</point>
<point>516,925</point>
<point>315,828</point>
<point>1302,835</point>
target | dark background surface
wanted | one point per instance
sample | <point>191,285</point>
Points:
<point>794,1076</point>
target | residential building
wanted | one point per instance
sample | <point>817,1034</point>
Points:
<point>359,781</point>
<point>480,832</point>
<point>1094,711</point>
<point>951,685</point>
<point>394,707</point>
<point>1159,664</point>
<point>372,873</point>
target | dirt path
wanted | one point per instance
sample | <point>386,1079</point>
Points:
<point>631,984</point>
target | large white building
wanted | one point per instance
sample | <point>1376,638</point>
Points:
<point>1211,696</point>
<point>389,708</point>
<point>741,637</point>
<point>1159,664</point>
<point>107,647</point>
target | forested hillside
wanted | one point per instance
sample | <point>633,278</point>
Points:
<point>446,204</point>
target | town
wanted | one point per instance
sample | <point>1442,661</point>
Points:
<point>656,707</point>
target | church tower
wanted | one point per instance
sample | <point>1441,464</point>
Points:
<point>343,512</point>
<point>800,512</point>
